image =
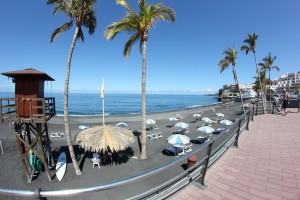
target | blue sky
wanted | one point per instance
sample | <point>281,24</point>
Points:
<point>181,58</point>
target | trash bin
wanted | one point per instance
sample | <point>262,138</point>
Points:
<point>191,161</point>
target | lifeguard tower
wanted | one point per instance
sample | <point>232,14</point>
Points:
<point>29,112</point>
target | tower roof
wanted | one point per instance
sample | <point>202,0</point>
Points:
<point>28,71</point>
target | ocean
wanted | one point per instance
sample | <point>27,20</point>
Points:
<point>89,104</point>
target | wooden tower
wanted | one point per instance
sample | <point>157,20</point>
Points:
<point>29,111</point>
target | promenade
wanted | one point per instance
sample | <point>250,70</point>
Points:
<point>265,166</point>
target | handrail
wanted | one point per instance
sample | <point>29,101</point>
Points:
<point>59,193</point>
<point>207,161</point>
<point>9,111</point>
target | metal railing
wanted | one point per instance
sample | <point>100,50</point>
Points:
<point>207,154</point>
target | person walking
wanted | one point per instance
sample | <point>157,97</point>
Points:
<point>298,98</point>
<point>285,101</point>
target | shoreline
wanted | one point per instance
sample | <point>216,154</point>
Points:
<point>131,116</point>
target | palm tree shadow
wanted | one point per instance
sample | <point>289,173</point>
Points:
<point>78,152</point>
<point>86,155</point>
<point>138,134</point>
<point>123,156</point>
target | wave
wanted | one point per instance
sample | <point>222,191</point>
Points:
<point>195,106</point>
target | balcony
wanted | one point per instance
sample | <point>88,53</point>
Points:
<point>27,110</point>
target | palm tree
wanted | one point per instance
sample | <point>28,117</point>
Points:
<point>267,64</point>
<point>139,24</point>
<point>251,46</point>
<point>259,83</point>
<point>229,59</point>
<point>81,13</point>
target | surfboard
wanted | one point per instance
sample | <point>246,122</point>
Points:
<point>61,166</point>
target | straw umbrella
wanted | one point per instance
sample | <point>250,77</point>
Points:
<point>100,138</point>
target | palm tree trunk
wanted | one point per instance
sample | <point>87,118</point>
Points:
<point>259,79</point>
<point>143,155</point>
<point>237,82</point>
<point>270,82</point>
<point>66,106</point>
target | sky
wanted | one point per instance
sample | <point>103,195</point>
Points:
<point>182,57</point>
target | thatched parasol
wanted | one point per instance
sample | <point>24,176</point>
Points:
<point>99,138</point>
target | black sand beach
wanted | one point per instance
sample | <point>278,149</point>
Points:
<point>12,174</point>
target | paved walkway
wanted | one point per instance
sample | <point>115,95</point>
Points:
<point>266,165</point>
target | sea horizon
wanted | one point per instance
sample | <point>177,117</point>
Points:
<point>90,104</point>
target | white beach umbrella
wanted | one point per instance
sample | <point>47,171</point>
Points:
<point>182,125</point>
<point>178,139</point>
<point>179,116</point>
<point>206,119</point>
<point>121,124</point>
<point>150,121</point>
<point>173,119</point>
<point>226,122</point>
<point>196,115</point>
<point>206,129</point>
<point>220,114</point>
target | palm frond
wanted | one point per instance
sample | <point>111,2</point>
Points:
<point>224,64</point>
<point>89,21</point>
<point>165,14</point>
<point>125,4</point>
<point>80,12</point>
<point>245,48</point>
<point>138,23</point>
<point>58,31</point>
<point>127,24</point>
<point>127,48</point>
<point>80,34</point>
<point>61,6</point>
<point>268,63</point>
<point>229,59</point>
<point>49,2</point>
<point>250,43</point>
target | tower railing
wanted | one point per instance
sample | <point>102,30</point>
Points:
<point>40,110</point>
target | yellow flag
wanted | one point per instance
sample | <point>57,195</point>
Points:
<point>102,89</point>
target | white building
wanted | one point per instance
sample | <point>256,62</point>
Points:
<point>287,81</point>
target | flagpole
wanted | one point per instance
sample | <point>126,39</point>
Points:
<point>103,111</point>
<point>102,97</point>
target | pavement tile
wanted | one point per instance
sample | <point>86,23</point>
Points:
<point>241,193</point>
<point>283,194</point>
<point>269,184</point>
<point>265,166</point>
<point>264,194</point>
<point>226,194</point>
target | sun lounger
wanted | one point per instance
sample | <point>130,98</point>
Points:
<point>159,135</point>
<point>150,136</point>
<point>187,148</point>
<point>199,140</point>
<point>180,152</point>
<point>175,151</point>
<point>154,136</point>
<point>53,135</point>
<point>57,135</point>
